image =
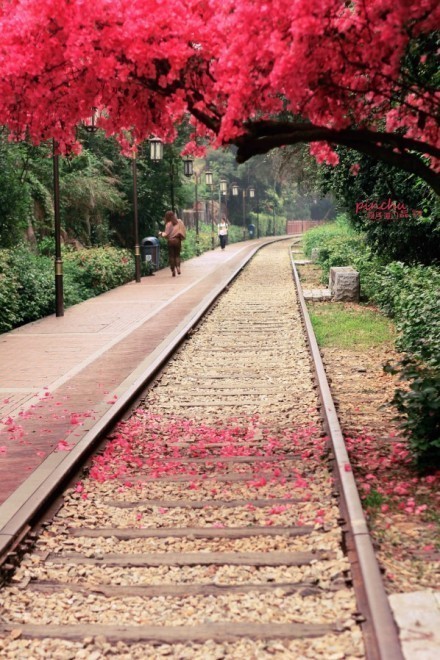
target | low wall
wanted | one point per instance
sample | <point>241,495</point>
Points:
<point>300,226</point>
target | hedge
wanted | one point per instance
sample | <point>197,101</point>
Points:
<point>409,294</point>
<point>27,290</point>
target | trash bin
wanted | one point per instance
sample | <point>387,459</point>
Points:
<point>150,250</point>
<point>251,230</point>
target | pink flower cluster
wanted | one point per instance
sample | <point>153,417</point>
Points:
<point>386,470</point>
<point>150,446</point>
<point>145,64</point>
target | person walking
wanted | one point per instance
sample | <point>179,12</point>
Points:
<point>222,231</point>
<point>175,233</point>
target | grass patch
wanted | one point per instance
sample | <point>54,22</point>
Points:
<point>343,325</point>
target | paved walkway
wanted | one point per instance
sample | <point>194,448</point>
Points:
<point>63,374</point>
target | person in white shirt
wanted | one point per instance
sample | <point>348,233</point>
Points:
<point>222,231</point>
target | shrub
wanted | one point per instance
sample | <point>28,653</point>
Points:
<point>26,291</point>
<point>96,270</point>
<point>418,407</point>
<point>325,232</point>
<point>410,295</point>
<point>35,276</point>
<point>338,243</point>
<point>9,299</point>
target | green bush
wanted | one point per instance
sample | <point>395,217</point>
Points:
<point>35,276</point>
<point>410,295</point>
<point>326,233</point>
<point>74,289</point>
<point>27,290</point>
<point>9,298</point>
<point>96,270</point>
<point>418,407</point>
<point>338,243</point>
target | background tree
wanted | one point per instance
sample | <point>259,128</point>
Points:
<point>15,199</point>
<point>299,177</point>
<point>415,237</point>
<point>96,192</point>
<point>89,193</point>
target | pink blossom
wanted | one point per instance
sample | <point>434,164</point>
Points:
<point>64,446</point>
<point>333,64</point>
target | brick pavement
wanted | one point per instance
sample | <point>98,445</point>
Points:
<point>62,374</point>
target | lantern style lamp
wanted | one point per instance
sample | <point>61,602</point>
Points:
<point>156,149</point>
<point>223,186</point>
<point>188,167</point>
<point>251,192</point>
<point>234,189</point>
<point>208,178</point>
<point>90,123</point>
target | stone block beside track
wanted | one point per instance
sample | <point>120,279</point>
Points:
<point>344,283</point>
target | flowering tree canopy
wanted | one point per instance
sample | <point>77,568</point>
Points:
<point>255,73</point>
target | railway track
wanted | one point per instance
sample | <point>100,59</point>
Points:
<point>209,524</point>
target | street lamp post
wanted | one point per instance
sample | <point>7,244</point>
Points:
<point>171,161</point>
<point>251,193</point>
<point>197,179</point>
<point>59,294</point>
<point>91,127</point>
<point>244,213</point>
<point>188,170</point>
<point>234,190</point>
<point>258,215</point>
<point>196,199</point>
<point>156,155</point>
<point>222,192</point>
<point>209,185</point>
<point>137,249</point>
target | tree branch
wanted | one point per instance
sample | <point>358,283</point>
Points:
<point>367,142</point>
<point>312,133</point>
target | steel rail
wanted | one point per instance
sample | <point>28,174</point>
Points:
<point>381,638</point>
<point>23,508</point>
